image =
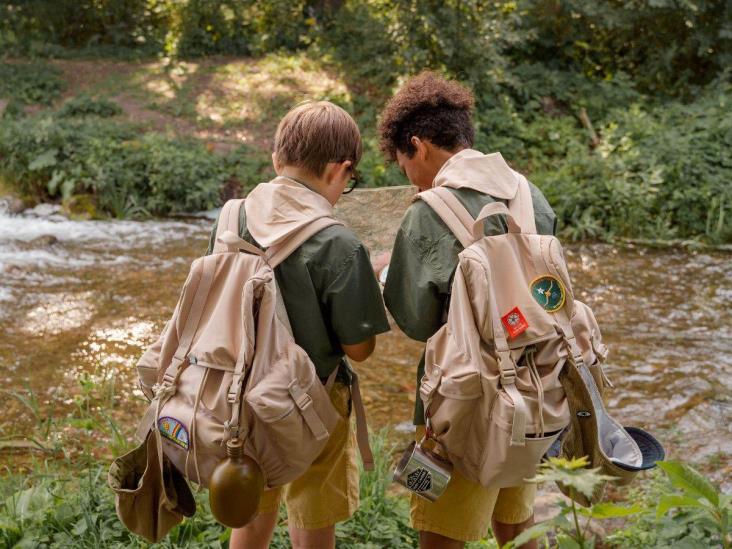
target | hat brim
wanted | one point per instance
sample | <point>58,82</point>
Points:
<point>651,450</point>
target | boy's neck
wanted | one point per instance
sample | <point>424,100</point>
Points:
<point>303,177</point>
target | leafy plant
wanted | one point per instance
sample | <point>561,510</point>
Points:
<point>130,175</point>
<point>697,502</point>
<point>86,105</point>
<point>26,83</point>
<point>567,525</point>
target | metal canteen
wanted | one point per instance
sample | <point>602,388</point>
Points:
<point>423,472</point>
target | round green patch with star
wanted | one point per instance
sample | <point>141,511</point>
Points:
<point>548,292</point>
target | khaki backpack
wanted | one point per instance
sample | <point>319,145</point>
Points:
<point>494,400</point>
<point>227,366</point>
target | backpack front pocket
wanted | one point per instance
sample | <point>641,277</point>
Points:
<point>504,464</point>
<point>292,419</point>
<point>451,411</point>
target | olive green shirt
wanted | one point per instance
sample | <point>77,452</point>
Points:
<point>330,293</point>
<point>423,262</point>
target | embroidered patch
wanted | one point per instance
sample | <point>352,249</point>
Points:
<point>514,322</point>
<point>419,480</point>
<point>548,292</point>
<point>173,430</point>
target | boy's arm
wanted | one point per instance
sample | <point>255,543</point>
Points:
<point>412,292</point>
<point>352,300</point>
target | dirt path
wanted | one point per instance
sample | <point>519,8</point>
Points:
<point>223,101</point>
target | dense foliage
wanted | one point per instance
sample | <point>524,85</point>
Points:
<point>617,108</point>
<point>128,173</point>
<point>660,42</point>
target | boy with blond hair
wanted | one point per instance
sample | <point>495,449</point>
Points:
<point>333,303</point>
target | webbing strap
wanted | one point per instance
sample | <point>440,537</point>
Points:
<point>233,243</point>
<point>169,379</point>
<point>305,404</point>
<point>450,218</point>
<point>489,210</point>
<point>456,206</point>
<point>520,411</point>
<point>194,317</point>
<point>362,430</point>
<point>278,253</point>
<point>507,369</point>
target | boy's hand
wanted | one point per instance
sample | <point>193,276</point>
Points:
<point>380,261</point>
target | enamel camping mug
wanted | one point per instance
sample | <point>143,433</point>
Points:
<point>423,472</point>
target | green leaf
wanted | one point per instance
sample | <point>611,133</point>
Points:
<point>44,160</point>
<point>566,542</point>
<point>610,510</point>
<point>56,178</point>
<point>691,481</point>
<point>667,502</point>
<point>571,473</point>
<point>67,188</point>
<point>535,532</point>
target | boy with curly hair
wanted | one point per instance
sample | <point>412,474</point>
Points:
<point>426,129</point>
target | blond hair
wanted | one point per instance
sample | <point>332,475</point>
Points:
<point>315,133</point>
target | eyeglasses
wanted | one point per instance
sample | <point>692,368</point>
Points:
<point>353,181</point>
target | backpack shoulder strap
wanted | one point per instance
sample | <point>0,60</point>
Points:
<point>277,254</point>
<point>522,206</point>
<point>228,221</point>
<point>453,216</point>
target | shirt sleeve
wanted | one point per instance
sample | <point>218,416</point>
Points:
<point>353,301</point>
<point>412,292</point>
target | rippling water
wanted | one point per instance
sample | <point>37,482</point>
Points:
<point>83,305</point>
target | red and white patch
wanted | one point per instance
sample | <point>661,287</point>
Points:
<point>514,322</point>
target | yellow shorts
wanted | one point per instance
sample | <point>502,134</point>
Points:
<point>464,510</point>
<point>327,492</point>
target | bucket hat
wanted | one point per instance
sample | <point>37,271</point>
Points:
<point>151,495</point>
<point>620,452</point>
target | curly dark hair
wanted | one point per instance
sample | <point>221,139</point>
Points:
<point>430,107</point>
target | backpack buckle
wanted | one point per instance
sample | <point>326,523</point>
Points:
<point>303,401</point>
<point>233,394</point>
<point>507,369</point>
<point>301,398</point>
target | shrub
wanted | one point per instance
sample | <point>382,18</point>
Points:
<point>85,105</point>
<point>129,174</point>
<point>30,82</point>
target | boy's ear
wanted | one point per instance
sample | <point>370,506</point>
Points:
<point>276,164</point>
<point>422,150</point>
<point>335,171</point>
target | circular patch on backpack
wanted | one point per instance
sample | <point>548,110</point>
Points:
<point>548,292</point>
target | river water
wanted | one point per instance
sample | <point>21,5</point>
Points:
<point>79,301</point>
